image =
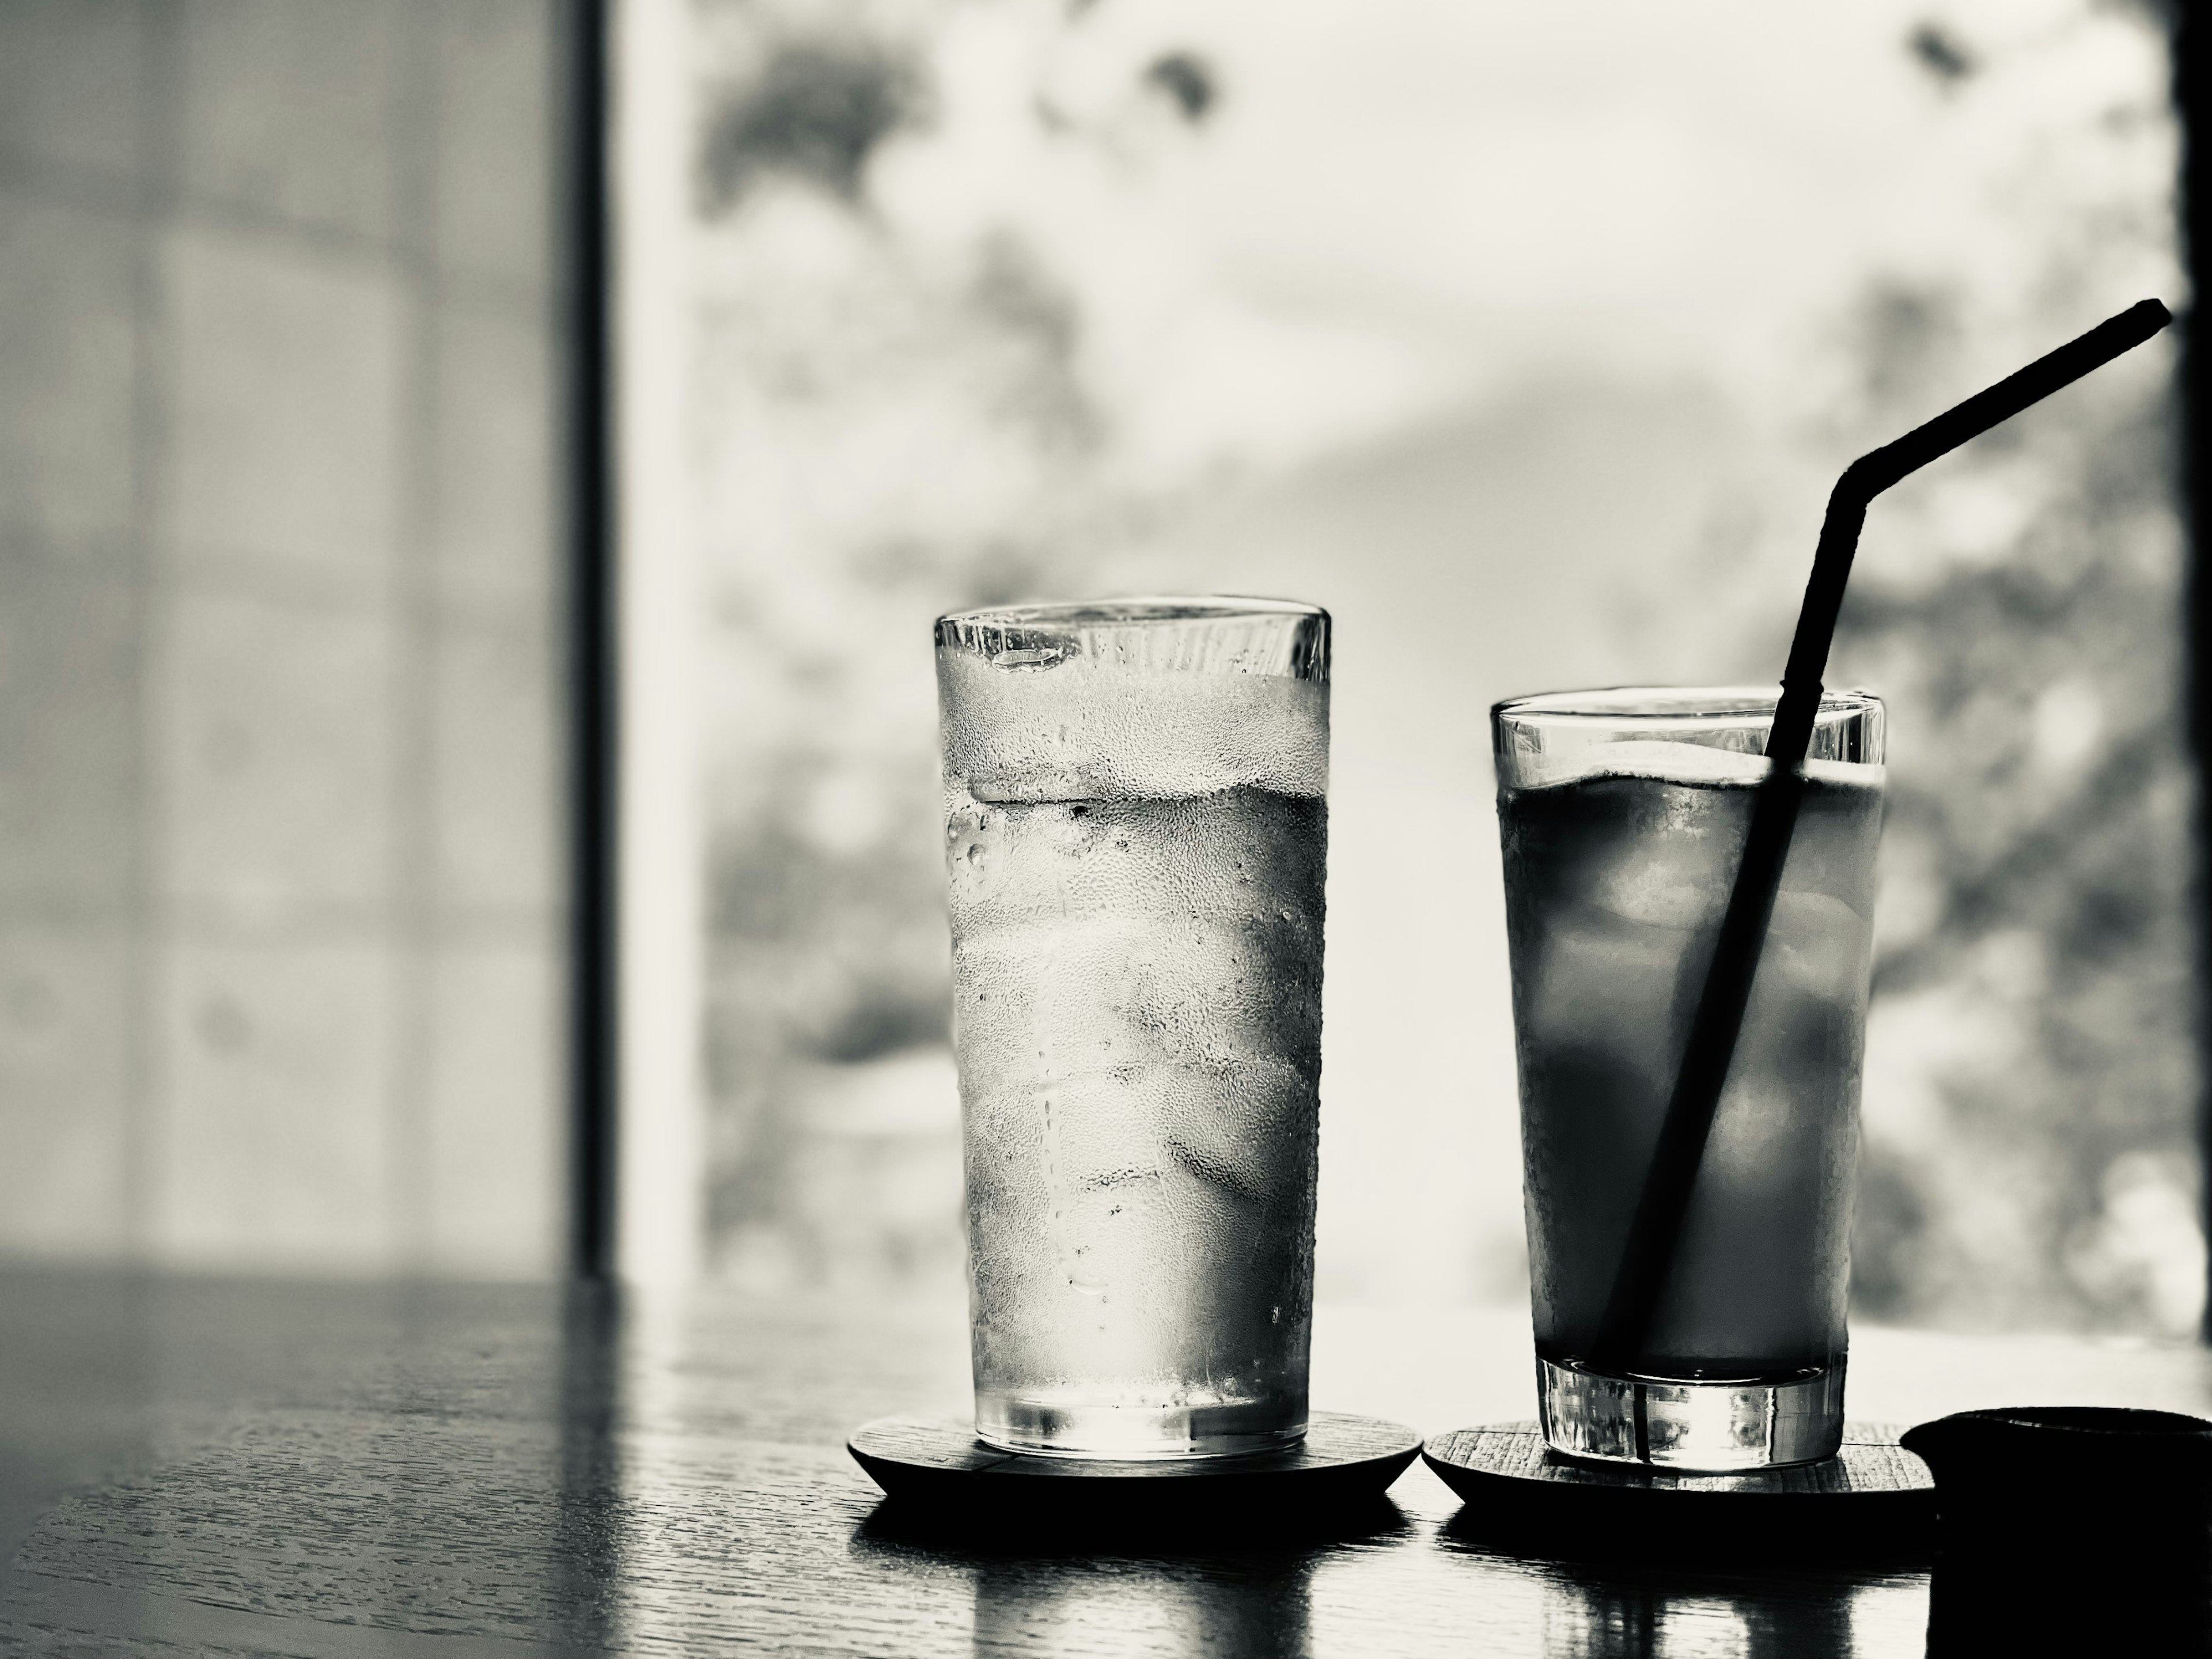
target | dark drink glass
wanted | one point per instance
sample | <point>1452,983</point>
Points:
<point>1623,815</point>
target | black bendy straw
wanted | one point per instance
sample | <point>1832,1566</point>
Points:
<point>1656,1232</point>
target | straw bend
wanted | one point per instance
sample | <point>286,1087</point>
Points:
<point>1654,1231</point>
<point>1879,469</point>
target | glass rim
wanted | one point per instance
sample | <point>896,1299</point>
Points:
<point>1674,704</point>
<point>1139,610</point>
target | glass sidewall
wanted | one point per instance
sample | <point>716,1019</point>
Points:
<point>1091,1337</point>
<point>1682,1405</point>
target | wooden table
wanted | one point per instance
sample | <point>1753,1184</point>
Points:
<point>199,1467</point>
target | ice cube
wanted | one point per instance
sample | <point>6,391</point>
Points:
<point>1603,985</point>
<point>1675,762</point>
<point>1216,990</point>
<point>1067,860</point>
<point>1080,729</point>
<point>1677,870</point>
<point>1820,943</point>
<point>1651,759</point>
<point>1101,1130</point>
<point>1249,1127</point>
<point>1760,1134</point>
<point>1833,851</point>
<point>1056,993</point>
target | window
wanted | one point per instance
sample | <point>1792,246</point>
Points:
<point>1528,343</point>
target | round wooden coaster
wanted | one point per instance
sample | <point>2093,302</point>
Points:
<point>1874,1499</point>
<point>1345,1461</point>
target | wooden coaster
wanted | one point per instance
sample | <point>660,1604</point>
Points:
<point>1873,1500</point>
<point>1345,1462</point>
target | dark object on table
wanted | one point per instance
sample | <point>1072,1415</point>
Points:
<point>2070,1525</point>
<point>1873,1502</point>
<point>1344,1464</point>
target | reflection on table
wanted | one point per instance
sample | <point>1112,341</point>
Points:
<point>196,1466</point>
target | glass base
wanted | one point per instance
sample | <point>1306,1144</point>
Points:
<point>1717,1427</point>
<point>1044,1426</point>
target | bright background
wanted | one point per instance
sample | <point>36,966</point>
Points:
<point>1527,340</point>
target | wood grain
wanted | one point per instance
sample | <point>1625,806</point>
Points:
<point>1872,1463</point>
<point>1874,1504</point>
<point>197,1467</point>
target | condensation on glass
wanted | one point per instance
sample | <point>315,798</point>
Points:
<point>1136,828</point>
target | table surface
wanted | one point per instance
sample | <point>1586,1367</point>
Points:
<point>234,1467</point>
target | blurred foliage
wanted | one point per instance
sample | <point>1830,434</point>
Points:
<point>812,109</point>
<point>890,432</point>
<point>2029,1155</point>
<point>889,427</point>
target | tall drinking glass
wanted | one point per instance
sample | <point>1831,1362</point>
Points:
<point>1623,814</point>
<point>1136,828</point>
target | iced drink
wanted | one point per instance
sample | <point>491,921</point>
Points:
<point>1624,816</point>
<point>1136,832</point>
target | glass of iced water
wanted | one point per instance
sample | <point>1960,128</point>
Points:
<point>1623,815</point>
<point>1136,827</point>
